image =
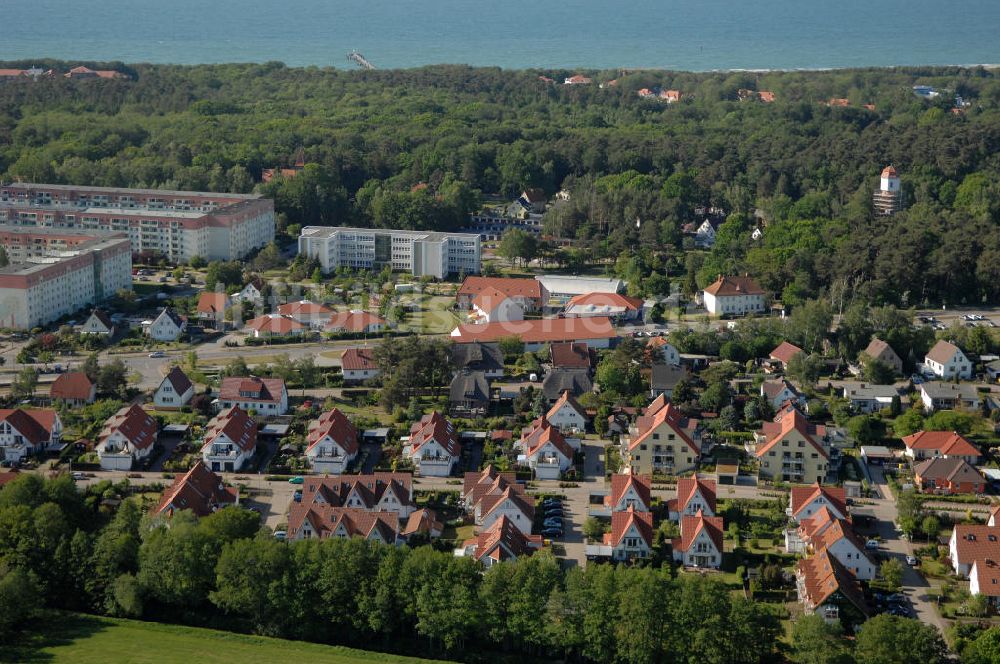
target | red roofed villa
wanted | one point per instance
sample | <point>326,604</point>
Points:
<point>331,442</point>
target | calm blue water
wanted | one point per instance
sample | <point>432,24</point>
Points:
<point>679,34</point>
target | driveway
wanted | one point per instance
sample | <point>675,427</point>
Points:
<point>893,545</point>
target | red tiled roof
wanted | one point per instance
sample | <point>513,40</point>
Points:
<point>502,540</point>
<point>326,519</point>
<point>976,542</point>
<point>212,303</point>
<point>334,424</point>
<point>686,487</point>
<point>766,96</point>
<point>434,427</point>
<point>368,489</point>
<point>8,476</point>
<point>304,308</point>
<point>34,424</point>
<point>73,385</point>
<point>251,388</point>
<point>525,288</point>
<point>785,352</point>
<point>272,324</point>
<point>484,480</point>
<point>987,573</point>
<point>823,575</point>
<point>236,425</point>
<point>564,399</point>
<point>792,420</point>
<point>669,415</point>
<point>888,172</point>
<point>178,380</point>
<point>814,525</point>
<point>605,300</point>
<point>726,286</point>
<point>803,495</point>
<point>944,443</point>
<point>199,490</point>
<point>570,355</point>
<point>622,522</point>
<point>691,526</point>
<point>539,434</point>
<point>620,484</point>
<point>358,359</point>
<point>137,426</point>
<point>837,530</point>
<point>489,299</point>
<point>422,521</point>
<point>353,321</point>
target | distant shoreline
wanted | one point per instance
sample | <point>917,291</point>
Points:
<point>48,62</point>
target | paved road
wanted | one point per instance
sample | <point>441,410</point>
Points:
<point>914,585</point>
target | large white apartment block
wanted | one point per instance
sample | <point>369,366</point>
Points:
<point>56,273</point>
<point>421,253</point>
<point>175,224</point>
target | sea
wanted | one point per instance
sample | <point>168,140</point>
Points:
<point>694,35</point>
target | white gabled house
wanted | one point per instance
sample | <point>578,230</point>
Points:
<point>433,446</point>
<point>167,326</point>
<point>322,520</point>
<point>809,500</point>
<point>127,437</point>
<point>567,414</point>
<point>701,541</point>
<point>545,450</point>
<point>265,396</point>
<point>631,535</point>
<point>694,495</point>
<point>500,541</point>
<point>24,432</point>
<point>332,443</point>
<point>629,491</point>
<point>488,495</point>
<point>946,361</point>
<point>230,440</point>
<point>175,390</point>
<point>99,324</point>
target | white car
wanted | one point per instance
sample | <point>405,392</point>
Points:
<point>157,353</point>
<point>871,545</point>
<point>911,561</point>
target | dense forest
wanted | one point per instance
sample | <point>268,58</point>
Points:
<point>421,148</point>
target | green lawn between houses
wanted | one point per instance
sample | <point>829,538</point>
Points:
<point>83,639</point>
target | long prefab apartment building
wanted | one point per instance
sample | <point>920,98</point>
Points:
<point>177,224</point>
<point>56,272</point>
<point>421,253</point>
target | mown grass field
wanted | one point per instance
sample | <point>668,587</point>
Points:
<point>79,639</point>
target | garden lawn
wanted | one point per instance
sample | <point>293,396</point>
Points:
<point>82,639</point>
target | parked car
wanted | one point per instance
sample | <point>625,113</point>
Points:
<point>157,353</point>
<point>552,523</point>
<point>912,561</point>
<point>871,545</point>
<point>552,532</point>
<point>296,480</point>
<point>280,535</point>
